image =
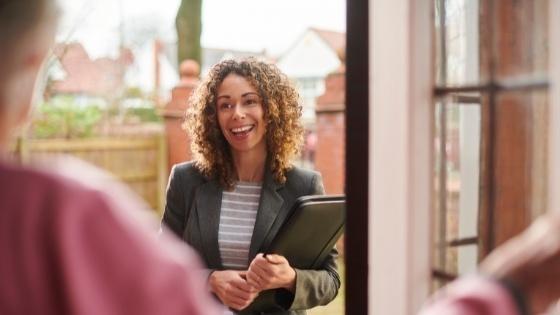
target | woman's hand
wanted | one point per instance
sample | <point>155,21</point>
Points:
<point>271,272</point>
<point>232,288</point>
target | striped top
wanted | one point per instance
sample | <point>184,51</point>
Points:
<point>237,220</point>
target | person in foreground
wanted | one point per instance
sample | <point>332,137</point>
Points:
<point>229,203</point>
<point>520,277</point>
<point>68,248</point>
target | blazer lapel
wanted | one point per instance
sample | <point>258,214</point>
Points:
<point>208,205</point>
<point>269,207</point>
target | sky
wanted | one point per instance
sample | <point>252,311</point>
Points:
<point>253,25</point>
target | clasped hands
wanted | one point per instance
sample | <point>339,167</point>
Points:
<point>238,288</point>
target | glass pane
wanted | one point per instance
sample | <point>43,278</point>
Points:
<point>457,182</point>
<point>521,38</point>
<point>520,161</point>
<point>467,258</point>
<point>457,42</point>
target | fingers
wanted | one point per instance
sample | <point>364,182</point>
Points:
<point>243,274</point>
<point>262,267</point>
<point>263,264</point>
<point>239,296</point>
<point>238,306</point>
<point>257,278</point>
<point>235,302</point>
<point>232,289</point>
<point>268,272</point>
<point>242,286</point>
<point>276,259</point>
<point>236,298</point>
<point>239,292</point>
<point>271,263</point>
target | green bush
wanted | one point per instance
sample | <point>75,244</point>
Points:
<point>145,114</point>
<point>66,116</point>
<point>61,117</point>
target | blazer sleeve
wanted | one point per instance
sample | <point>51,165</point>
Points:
<point>174,214</point>
<point>317,287</point>
<point>178,203</point>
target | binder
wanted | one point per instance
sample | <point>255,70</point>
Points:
<point>310,231</point>
<point>306,237</point>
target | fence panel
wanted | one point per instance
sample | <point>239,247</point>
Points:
<point>140,162</point>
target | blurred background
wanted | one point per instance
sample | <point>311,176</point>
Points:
<point>116,84</point>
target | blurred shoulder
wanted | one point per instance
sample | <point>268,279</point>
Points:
<point>187,170</point>
<point>302,177</point>
<point>31,181</point>
<point>303,173</point>
<point>35,192</point>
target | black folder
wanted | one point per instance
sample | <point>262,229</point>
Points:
<point>310,231</point>
<point>306,237</point>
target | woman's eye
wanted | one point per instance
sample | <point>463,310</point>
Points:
<point>225,106</point>
<point>251,102</point>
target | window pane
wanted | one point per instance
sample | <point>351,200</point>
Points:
<point>520,37</point>
<point>457,182</point>
<point>519,162</point>
<point>457,43</point>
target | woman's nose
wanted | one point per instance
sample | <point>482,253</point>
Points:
<point>238,112</point>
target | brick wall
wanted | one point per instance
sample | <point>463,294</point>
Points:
<point>329,158</point>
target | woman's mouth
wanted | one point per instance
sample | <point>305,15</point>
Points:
<point>242,131</point>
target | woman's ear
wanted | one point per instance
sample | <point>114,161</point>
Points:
<point>23,88</point>
<point>34,60</point>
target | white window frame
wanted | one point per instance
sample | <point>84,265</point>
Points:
<point>400,153</point>
<point>400,149</point>
<point>554,96</point>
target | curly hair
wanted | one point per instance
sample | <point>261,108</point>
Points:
<point>282,113</point>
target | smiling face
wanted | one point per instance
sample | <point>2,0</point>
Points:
<point>241,115</point>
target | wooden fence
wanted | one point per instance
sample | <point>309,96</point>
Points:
<point>140,162</point>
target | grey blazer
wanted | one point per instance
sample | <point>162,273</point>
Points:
<point>192,212</point>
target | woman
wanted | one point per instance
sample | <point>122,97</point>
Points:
<point>229,203</point>
<point>68,248</point>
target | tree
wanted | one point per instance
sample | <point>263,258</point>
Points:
<point>189,27</point>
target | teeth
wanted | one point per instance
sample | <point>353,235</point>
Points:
<point>242,129</point>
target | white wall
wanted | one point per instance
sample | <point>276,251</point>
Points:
<point>309,57</point>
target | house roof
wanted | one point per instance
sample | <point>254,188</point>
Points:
<point>83,75</point>
<point>335,40</point>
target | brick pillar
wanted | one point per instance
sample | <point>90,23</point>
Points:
<point>329,158</point>
<point>178,143</point>
<point>329,154</point>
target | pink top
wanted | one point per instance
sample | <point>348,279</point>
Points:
<point>471,296</point>
<point>68,249</point>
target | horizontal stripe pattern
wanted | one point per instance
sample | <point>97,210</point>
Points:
<point>237,221</point>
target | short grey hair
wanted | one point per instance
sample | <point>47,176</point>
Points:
<point>18,19</point>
